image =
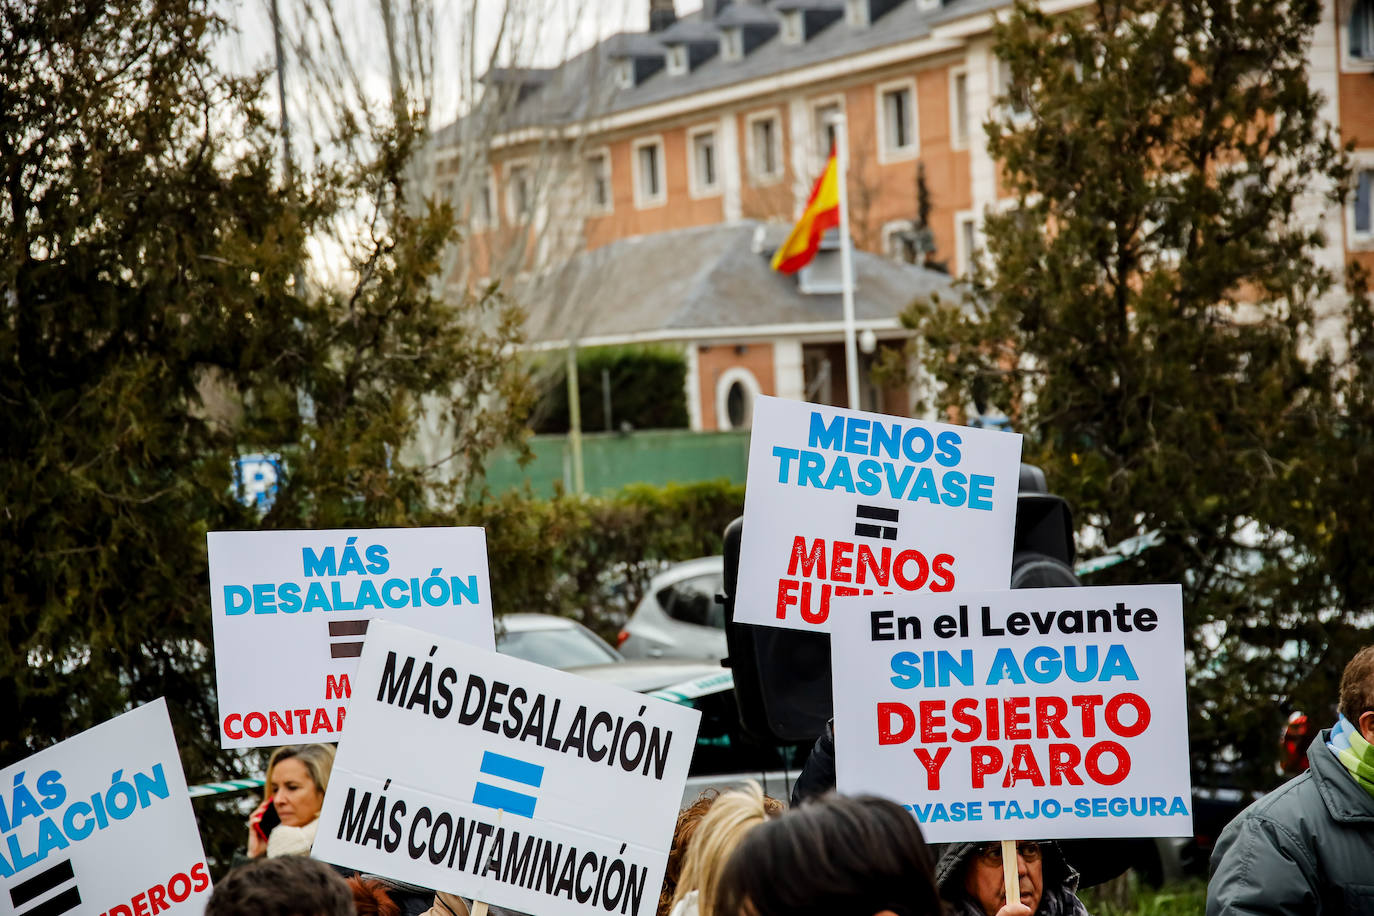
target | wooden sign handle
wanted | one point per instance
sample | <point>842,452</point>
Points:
<point>479,908</point>
<point>1013,883</point>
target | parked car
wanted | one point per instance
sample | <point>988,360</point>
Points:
<point>679,617</point>
<point>553,641</point>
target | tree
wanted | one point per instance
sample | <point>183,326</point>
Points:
<point>1150,314</point>
<point>161,317</point>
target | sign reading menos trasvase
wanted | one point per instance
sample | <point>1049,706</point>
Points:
<point>503,780</point>
<point>291,610</point>
<point>102,824</point>
<point>842,502</point>
<point>1030,714</point>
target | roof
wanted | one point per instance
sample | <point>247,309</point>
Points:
<point>705,281</point>
<point>579,88</point>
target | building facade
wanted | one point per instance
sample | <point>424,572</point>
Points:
<point>727,115</point>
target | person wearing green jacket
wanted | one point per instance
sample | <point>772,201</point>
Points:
<point>1308,846</point>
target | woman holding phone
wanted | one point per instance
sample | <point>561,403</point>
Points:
<point>293,793</point>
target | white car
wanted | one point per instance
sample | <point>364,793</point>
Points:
<point>679,617</point>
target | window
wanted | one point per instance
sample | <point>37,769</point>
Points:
<point>732,44</point>
<point>765,154</point>
<point>1361,43</point>
<point>968,241</point>
<point>694,600</point>
<point>958,109</point>
<point>625,74</point>
<point>1013,104</point>
<point>897,121</point>
<point>793,30</point>
<point>856,13</point>
<point>484,207</point>
<point>599,182</point>
<point>1361,224</point>
<point>823,116</point>
<point>677,60</point>
<point>519,193</point>
<point>702,177</point>
<point>736,390</point>
<point>648,173</point>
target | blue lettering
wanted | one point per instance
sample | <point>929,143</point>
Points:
<point>264,599</point>
<point>980,491</point>
<point>322,564</point>
<point>840,475</point>
<point>237,600</point>
<point>822,436</point>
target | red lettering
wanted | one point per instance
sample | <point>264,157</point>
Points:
<point>338,725</point>
<point>1092,762</point>
<point>844,591</point>
<point>932,717</point>
<point>337,688</point>
<point>886,734</point>
<point>232,721</point>
<point>819,614</point>
<point>899,570</point>
<point>842,561</point>
<point>1063,765</point>
<point>786,598</point>
<point>301,716</point>
<point>157,896</point>
<point>201,876</point>
<point>1112,714</point>
<point>943,573</point>
<point>1087,704</point>
<point>1049,717</point>
<point>984,759</point>
<point>120,909</point>
<point>1023,766</point>
<point>810,561</point>
<point>261,727</point>
<point>932,765</point>
<point>141,905</point>
<point>965,712</point>
<point>180,893</point>
<point>1016,721</point>
<point>320,722</point>
<point>280,724</point>
<point>994,728</point>
<point>868,564</point>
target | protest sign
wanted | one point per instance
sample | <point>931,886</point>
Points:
<point>504,781</point>
<point>1030,714</point>
<point>842,502</point>
<point>291,609</point>
<point>102,824</point>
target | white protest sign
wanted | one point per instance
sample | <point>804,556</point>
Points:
<point>504,781</point>
<point>102,824</point>
<point>1031,714</point>
<point>291,610</point>
<point>842,502</point>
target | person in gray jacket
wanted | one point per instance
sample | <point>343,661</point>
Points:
<point>1308,846</point>
<point>970,879</point>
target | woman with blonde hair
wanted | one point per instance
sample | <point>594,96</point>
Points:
<point>731,818</point>
<point>293,793</point>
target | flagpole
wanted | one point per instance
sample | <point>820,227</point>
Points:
<point>851,348</point>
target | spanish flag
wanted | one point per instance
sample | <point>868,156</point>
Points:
<point>822,213</point>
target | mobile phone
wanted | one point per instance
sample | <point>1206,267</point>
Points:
<point>270,819</point>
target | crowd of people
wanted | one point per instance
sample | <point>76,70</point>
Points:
<point>1307,847</point>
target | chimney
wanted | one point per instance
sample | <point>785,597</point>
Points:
<point>661,15</point>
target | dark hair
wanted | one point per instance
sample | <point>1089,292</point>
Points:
<point>1357,686</point>
<point>687,820</point>
<point>285,886</point>
<point>371,899</point>
<point>832,855</point>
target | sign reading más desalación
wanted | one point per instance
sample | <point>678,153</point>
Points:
<point>102,824</point>
<point>292,608</point>
<point>1030,714</point>
<point>842,502</point>
<point>504,781</point>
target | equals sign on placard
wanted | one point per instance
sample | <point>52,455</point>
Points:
<point>24,894</point>
<point>864,529</point>
<point>508,769</point>
<point>345,638</point>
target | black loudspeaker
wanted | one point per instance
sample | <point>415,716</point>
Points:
<point>782,677</point>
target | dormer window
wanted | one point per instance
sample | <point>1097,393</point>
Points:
<point>732,44</point>
<point>625,74</point>
<point>856,13</point>
<point>793,30</point>
<point>928,4</point>
<point>677,60</point>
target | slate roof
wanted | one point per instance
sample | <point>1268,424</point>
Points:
<point>580,87</point>
<point>705,279</point>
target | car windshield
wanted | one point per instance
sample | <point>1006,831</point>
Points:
<point>556,648</point>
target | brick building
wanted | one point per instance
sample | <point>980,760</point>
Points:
<point>723,116</point>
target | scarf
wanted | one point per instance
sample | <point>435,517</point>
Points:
<point>1355,753</point>
<point>292,841</point>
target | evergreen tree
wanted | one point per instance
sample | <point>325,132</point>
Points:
<point>154,329</point>
<point>1152,315</point>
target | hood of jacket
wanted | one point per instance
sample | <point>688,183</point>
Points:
<point>1059,880</point>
